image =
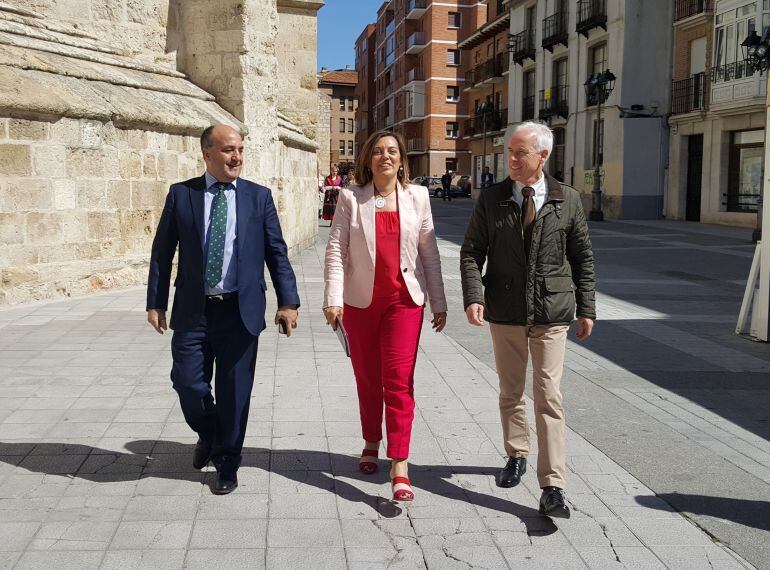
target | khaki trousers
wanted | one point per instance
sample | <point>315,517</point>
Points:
<point>546,343</point>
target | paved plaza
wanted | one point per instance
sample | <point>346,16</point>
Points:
<point>668,454</point>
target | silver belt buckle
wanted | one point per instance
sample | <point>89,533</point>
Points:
<point>217,297</point>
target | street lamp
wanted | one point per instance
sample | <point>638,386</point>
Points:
<point>756,51</point>
<point>598,87</point>
<point>485,109</point>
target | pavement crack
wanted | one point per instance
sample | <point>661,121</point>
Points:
<point>612,546</point>
<point>449,555</point>
<point>422,552</point>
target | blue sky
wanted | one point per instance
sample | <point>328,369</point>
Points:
<point>340,22</point>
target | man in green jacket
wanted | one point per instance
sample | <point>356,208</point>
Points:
<point>531,232</point>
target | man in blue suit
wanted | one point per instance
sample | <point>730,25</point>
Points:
<point>227,229</point>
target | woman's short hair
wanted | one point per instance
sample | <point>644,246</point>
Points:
<point>364,160</point>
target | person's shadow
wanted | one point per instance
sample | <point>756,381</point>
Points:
<point>746,512</point>
<point>172,460</point>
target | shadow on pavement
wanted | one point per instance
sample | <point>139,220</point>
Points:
<point>172,460</point>
<point>740,511</point>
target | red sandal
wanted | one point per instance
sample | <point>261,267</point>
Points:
<point>404,493</point>
<point>367,466</point>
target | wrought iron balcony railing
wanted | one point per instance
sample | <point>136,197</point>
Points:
<point>555,30</point>
<point>731,71</point>
<point>553,102</point>
<point>689,94</point>
<point>491,68</point>
<point>686,8</point>
<point>522,46</point>
<point>591,14</point>
<point>495,121</point>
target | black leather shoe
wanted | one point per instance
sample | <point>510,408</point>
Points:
<point>225,483</point>
<point>510,475</point>
<point>202,453</point>
<point>552,503</point>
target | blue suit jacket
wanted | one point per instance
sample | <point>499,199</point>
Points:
<point>259,240</point>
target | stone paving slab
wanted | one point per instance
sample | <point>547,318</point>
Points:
<point>95,461</point>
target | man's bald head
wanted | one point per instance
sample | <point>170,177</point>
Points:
<point>215,131</point>
<point>222,148</point>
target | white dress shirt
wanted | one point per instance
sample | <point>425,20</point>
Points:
<point>229,280</point>
<point>541,193</point>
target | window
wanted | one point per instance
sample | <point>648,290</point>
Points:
<point>598,143</point>
<point>451,164</point>
<point>453,57</point>
<point>597,59</point>
<point>454,20</point>
<point>452,93</point>
<point>746,165</point>
<point>342,125</point>
<point>342,103</point>
<point>350,104</point>
<point>342,147</point>
<point>350,126</point>
<point>452,130</point>
<point>350,148</point>
<point>731,29</point>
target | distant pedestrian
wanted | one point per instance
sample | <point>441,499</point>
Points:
<point>446,184</point>
<point>487,178</point>
<point>531,232</point>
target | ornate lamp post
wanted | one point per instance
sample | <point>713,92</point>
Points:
<point>598,87</point>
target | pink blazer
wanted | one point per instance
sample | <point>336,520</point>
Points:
<point>350,251</point>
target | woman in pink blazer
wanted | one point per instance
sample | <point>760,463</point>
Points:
<point>382,263</point>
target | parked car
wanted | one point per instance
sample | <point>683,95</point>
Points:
<point>461,186</point>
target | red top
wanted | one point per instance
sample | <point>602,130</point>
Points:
<point>387,268</point>
<point>333,180</point>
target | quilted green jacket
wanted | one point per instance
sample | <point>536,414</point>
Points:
<point>549,284</point>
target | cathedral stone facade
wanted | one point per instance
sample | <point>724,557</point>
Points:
<point>101,106</point>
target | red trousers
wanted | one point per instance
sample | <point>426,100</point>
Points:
<point>383,349</point>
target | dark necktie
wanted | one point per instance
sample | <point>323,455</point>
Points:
<point>217,234</point>
<point>527,211</point>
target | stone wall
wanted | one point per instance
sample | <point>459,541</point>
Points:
<point>101,104</point>
<point>79,203</point>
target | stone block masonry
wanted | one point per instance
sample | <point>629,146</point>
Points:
<point>80,201</point>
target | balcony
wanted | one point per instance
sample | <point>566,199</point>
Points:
<point>688,95</point>
<point>686,8</point>
<point>730,72</point>
<point>415,146</point>
<point>591,14</point>
<point>415,106</point>
<point>528,108</point>
<point>555,30</point>
<point>415,74</point>
<point>415,43</point>
<point>415,9</point>
<point>553,102</point>
<point>522,46</point>
<point>490,71</point>
<point>496,121</point>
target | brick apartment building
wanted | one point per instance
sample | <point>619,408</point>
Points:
<point>419,74</point>
<point>485,45</point>
<point>340,86</point>
<point>716,157</point>
<point>365,89</point>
